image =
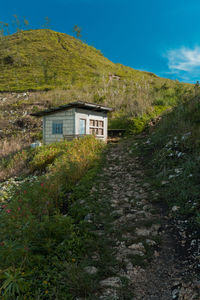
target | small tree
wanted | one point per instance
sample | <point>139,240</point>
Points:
<point>25,23</point>
<point>77,31</point>
<point>47,23</point>
<point>17,23</point>
<point>196,88</point>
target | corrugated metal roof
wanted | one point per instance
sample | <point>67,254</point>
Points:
<point>79,104</point>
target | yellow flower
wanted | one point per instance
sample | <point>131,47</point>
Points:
<point>45,282</point>
<point>46,292</point>
<point>73,259</point>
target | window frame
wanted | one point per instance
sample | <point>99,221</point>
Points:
<point>95,127</point>
<point>85,121</point>
<point>57,127</point>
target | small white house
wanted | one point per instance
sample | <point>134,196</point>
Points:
<point>74,120</point>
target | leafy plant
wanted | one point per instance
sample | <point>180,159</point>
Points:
<point>14,283</point>
<point>39,230</point>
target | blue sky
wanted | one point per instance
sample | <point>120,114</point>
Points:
<point>160,36</point>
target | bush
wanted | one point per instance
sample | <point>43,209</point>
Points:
<point>35,235</point>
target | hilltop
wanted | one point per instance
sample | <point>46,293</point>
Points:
<point>45,59</point>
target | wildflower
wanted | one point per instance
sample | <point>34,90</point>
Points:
<point>45,282</point>
<point>25,191</point>
<point>42,184</point>
<point>8,211</point>
<point>46,292</point>
<point>73,259</point>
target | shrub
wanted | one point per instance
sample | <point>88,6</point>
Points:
<point>37,241</point>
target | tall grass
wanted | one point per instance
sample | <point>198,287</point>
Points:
<point>12,145</point>
<point>175,145</point>
<point>37,241</point>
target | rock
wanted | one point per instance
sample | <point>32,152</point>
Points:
<point>175,294</point>
<point>111,282</point>
<point>156,253</point>
<point>36,144</point>
<point>146,184</point>
<point>129,266</point>
<point>98,232</point>
<point>154,229</point>
<point>89,217</point>
<point>117,213</point>
<point>140,213</point>
<point>137,252</point>
<point>110,294</point>
<point>142,231</point>
<point>164,182</point>
<point>175,208</point>
<point>82,201</point>
<point>188,292</point>
<point>130,216</point>
<point>150,242</point>
<point>91,270</point>
<point>139,247</point>
<point>147,207</point>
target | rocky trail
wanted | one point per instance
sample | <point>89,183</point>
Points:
<point>144,262</point>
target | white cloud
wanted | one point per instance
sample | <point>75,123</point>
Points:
<point>184,62</point>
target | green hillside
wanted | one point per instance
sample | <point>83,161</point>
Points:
<point>42,68</point>
<point>45,59</point>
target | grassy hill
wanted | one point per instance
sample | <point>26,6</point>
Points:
<point>44,59</point>
<point>56,68</point>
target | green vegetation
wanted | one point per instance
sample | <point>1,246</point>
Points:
<point>45,240</point>
<point>61,69</point>
<point>175,145</point>
<point>42,237</point>
<point>44,59</point>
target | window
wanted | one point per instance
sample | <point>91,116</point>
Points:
<point>96,127</point>
<point>82,126</point>
<point>57,127</point>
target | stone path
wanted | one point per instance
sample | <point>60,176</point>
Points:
<point>147,266</point>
